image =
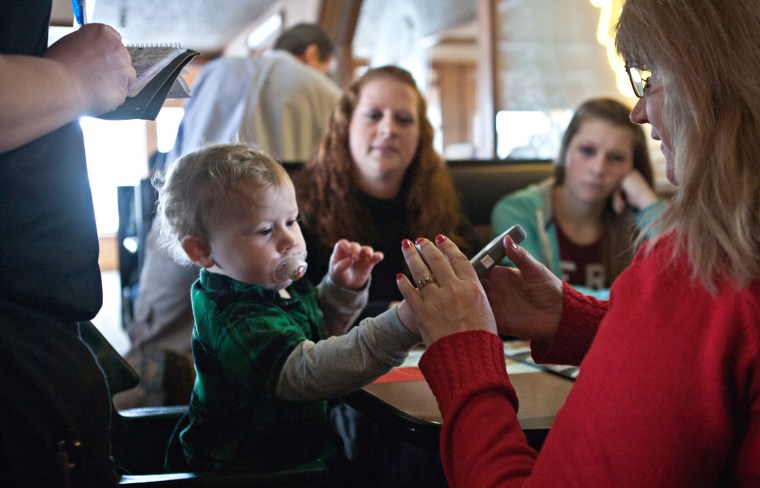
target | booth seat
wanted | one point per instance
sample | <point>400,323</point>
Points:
<point>481,183</point>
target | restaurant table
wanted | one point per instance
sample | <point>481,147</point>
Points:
<point>402,402</point>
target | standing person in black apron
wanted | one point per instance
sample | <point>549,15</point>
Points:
<point>55,403</point>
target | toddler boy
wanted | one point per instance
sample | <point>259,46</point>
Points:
<point>268,349</point>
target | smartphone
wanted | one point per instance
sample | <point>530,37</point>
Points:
<point>493,253</point>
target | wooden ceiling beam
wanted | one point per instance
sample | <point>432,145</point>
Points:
<point>339,19</point>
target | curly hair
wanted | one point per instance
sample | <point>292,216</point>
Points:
<point>206,185</point>
<point>327,192</point>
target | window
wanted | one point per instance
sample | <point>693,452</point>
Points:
<point>530,134</point>
<point>116,155</point>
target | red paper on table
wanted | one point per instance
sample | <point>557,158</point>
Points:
<point>400,375</point>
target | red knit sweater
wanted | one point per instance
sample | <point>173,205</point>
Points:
<point>668,395</point>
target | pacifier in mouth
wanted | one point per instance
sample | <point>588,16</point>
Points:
<point>291,267</point>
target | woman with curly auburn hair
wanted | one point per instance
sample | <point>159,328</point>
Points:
<point>376,178</point>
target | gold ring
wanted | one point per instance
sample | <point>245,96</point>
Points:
<point>424,281</point>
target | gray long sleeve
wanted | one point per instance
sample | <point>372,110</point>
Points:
<point>341,364</point>
<point>340,306</point>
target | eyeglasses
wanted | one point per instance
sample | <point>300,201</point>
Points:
<point>639,79</point>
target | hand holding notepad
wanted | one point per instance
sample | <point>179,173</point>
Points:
<point>158,78</point>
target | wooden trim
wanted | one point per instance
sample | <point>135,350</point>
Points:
<point>486,93</point>
<point>109,253</point>
<point>340,20</point>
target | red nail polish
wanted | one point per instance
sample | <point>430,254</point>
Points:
<point>406,243</point>
<point>420,240</point>
<point>399,276</point>
<point>440,238</point>
<point>511,243</point>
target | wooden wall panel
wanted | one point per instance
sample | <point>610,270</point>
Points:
<point>457,90</point>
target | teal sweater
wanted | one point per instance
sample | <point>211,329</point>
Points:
<point>532,208</point>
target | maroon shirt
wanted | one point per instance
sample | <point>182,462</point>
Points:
<point>581,264</point>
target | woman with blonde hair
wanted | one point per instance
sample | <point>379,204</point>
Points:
<point>669,393</point>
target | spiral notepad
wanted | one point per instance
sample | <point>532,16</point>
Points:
<point>148,61</point>
<point>158,77</point>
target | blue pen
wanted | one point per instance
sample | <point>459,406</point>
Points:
<point>80,11</point>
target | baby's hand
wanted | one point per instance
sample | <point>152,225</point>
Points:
<point>351,264</point>
<point>406,317</point>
